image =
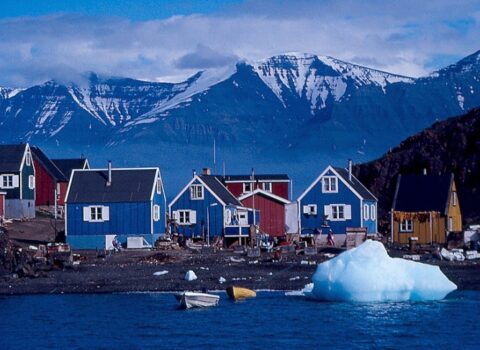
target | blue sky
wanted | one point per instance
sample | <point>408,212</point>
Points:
<point>171,40</point>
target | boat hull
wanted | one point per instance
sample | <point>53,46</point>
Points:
<point>190,300</point>
<point>239,293</point>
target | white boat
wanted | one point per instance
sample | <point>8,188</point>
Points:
<point>188,300</point>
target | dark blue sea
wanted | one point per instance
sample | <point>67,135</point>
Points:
<point>271,321</point>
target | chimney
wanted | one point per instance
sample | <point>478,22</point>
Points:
<point>207,171</point>
<point>109,180</point>
<point>350,170</point>
<point>424,171</point>
<point>194,173</point>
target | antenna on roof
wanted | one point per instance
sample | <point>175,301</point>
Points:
<point>214,157</point>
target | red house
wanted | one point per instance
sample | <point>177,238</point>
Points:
<point>272,210</point>
<point>48,179</point>
<point>2,204</point>
<point>66,166</point>
<point>276,184</point>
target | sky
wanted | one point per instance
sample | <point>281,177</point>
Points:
<point>171,40</point>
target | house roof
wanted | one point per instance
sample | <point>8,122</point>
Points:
<point>128,185</point>
<point>418,193</point>
<point>258,177</point>
<point>11,157</point>
<point>48,165</point>
<point>265,194</point>
<point>355,184</point>
<point>66,166</point>
<point>216,186</point>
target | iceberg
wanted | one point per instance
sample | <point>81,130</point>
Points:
<point>368,274</point>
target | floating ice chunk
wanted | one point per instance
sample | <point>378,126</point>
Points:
<point>190,276</point>
<point>305,292</point>
<point>367,274</point>
<point>160,273</point>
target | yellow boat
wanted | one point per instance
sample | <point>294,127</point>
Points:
<point>238,293</point>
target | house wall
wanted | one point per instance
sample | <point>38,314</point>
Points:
<point>308,223</point>
<point>454,211</point>
<point>421,230</point>
<point>272,214</point>
<point>200,206</point>
<point>44,186</point>
<point>126,219</point>
<point>160,225</point>
<point>280,189</point>
<point>19,209</point>
<point>2,205</point>
<point>63,193</point>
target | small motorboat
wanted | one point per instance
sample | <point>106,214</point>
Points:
<point>239,293</point>
<point>189,300</point>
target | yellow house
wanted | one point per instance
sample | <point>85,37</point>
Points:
<point>425,207</point>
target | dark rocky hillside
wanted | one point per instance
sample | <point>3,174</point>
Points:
<point>452,145</point>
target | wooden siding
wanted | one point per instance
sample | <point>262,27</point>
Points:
<point>308,223</point>
<point>2,205</point>
<point>272,214</point>
<point>201,206</point>
<point>421,229</point>
<point>44,186</point>
<point>454,211</point>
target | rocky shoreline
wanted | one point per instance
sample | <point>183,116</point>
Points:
<point>133,271</point>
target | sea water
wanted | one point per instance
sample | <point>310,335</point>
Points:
<point>270,321</point>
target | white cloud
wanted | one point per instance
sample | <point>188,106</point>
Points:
<point>401,39</point>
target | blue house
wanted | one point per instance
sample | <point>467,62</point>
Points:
<point>17,180</point>
<point>121,202</point>
<point>206,208</point>
<point>335,201</point>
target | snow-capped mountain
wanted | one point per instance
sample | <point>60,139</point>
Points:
<point>302,107</point>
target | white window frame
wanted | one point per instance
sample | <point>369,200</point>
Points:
<point>454,199</point>
<point>31,182</point>
<point>337,214</point>
<point>310,209</point>
<point>96,213</point>
<point>373,212</point>
<point>182,215</point>
<point>28,159</point>
<point>156,212</point>
<point>196,192</point>
<point>267,187</point>
<point>366,212</point>
<point>159,186</point>
<point>249,184</point>
<point>406,225</point>
<point>330,184</point>
<point>5,183</point>
<point>450,224</point>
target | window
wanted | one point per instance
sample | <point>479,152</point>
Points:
<point>338,212</point>
<point>406,226</point>
<point>159,186</point>
<point>450,223</point>
<point>310,209</point>
<point>156,212</point>
<point>373,212</point>
<point>28,159</point>
<point>96,213</point>
<point>196,192</point>
<point>366,212</point>
<point>454,199</point>
<point>267,186</point>
<point>330,184</point>
<point>185,217</point>
<point>7,181</point>
<point>31,182</point>
<point>247,187</point>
